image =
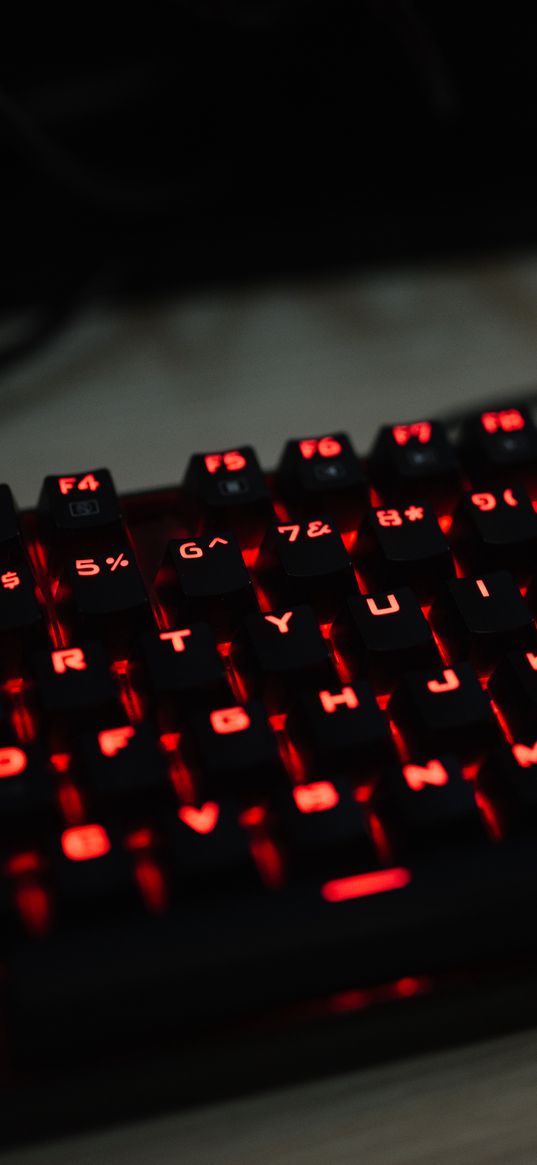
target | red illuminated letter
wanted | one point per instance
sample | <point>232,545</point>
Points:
<point>418,776</point>
<point>482,587</point>
<point>12,762</point>
<point>66,484</point>
<point>225,720</point>
<point>346,696</point>
<point>532,659</point>
<point>315,798</point>
<point>450,682</point>
<point>525,755</point>
<point>420,430</point>
<point>202,820</point>
<point>190,550</point>
<point>391,609</point>
<point>113,739</point>
<point>507,419</point>
<point>280,621</point>
<point>83,842</point>
<point>68,657</point>
<point>176,638</point>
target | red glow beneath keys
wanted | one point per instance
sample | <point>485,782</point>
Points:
<point>445,521</point>
<point>27,862</point>
<point>269,862</point>
<point>34,907</point>
<point>253,817</point>
<point>151,883</point>
<point>316,797</point>
<point>365,885</point>
<point>13,761</point>
<point>82,843</point>
<point>502,721</point>
<point>357,1000</point>
<point>202,820</point>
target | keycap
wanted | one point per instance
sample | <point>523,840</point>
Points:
<point>121,767</point>
<point>91,873</point>
<point>383,635</point>
<point>403,545</point>
<point>415,460</point>
<point>427,806</point>
<point>275,652</point>
<point>500,443</point>
<point>513,687</point>
<point>182,668</point>
<point>323,475</point>
<point>508,780</point>
<point>341,729</point>
<point>479,618</point>
<point>495,528</point>
<point>27,801</point>
<point>208,850</point>
<point>306,562</point>
<point>11,546</point>
<point>75,504</point>
<point>108,593</point>
<point>75,680</point>
<point>232,752</point>
<point>324,831</point>
<point>229,492</point>
<point>443,710</point>
<point>21,619</point>
<point>208,581</point>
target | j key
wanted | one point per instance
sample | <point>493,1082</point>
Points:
<point>426,806</point>
<point>230,493</point>
<point>184,666</point>
<point>404,545</point>
<point>274,652</point>
<point>108,591</point>
<point>501,443</point>
<point>508,780</point>
<point>323,474</point>
<point>123,765</point>
<point>384,635</point>
<point>21,619</point>
<point>443,710</point>
<point>479,618</point>
<point>11,548</point>
<point>27,801</point>
<point>324,831</point>
<point>233,752</point>
<point>75,680</point>
<point>415,460</point>
<point>78,503</point>
<point>91,872</point>
<point>209,849</point>
<point>341,729</point>
<point>306,562</point>
<point>513,687</point>
<point>210,580</point>
<point>494,528</point>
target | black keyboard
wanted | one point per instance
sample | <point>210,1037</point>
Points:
<point>268,754</point>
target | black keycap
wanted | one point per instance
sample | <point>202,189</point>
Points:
<point>306,562</point>
<point>21,619</point>
<point>108,592</point>
<point>324,831</point>
<point>209,849</point>
<point>384,635</point>
<point>11,547</point>
<point>323,475</point>
<point>508,781</point>
<point>495,528</point>
<point>78,503</point>
<point>74,680</point>
<point>513,687</point>
<point>232,752</point>
<point>183,667</point>
<point>274,653</point>
<point>209,581</point>
<point>426,806</point>
<point>479,618</point>
<point>501,444</point>
<point>91,873</point>
<point>123,767</point>
<point>444,710</point>
<point>404,545</point>
<point>230,493</point>
<point>341,729</point>
<point>27,801</point>
<point>415,460</point>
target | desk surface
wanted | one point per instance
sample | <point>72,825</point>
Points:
<point>139,390</point>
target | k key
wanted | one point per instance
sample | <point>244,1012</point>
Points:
<point>404,545</point>
<point>341,729</point>
<point>442,710</point>
<point>480,618</point>
<point>384,635</point>
<point>415,460</point>
<point>207,580</point>
<point>323,474</point>
<point>494,528</point>
<point>229,492</point>
<point>274,652</point>
<point>78,503</point>
<point>428,805</point>
<point>306,562</point>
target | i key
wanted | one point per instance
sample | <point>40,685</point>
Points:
<point>233,752</point>
<point>323,474</point>
<point>415,460</point>
<point>274,653</point>
<point>121,767</point>
<point>513,687</point>
<point>427,806</point>
<point>495,528</point>
<point>306,562</point>
<point>383,635</point>
<point>74,684</point>
<point>183,668</point>
<point>444,710</point>
<point>404,545</point>
<point>79,503</point>
<point>479,618</point>
<point>341,729</point>
<point>208,581</point>
<point>108,593</point>
<point>501,444</point>
<point>229,492</point>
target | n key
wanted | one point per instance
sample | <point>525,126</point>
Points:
<point>383,635</point>
<point>78,503</point>
<point>479,618</point>
<point>341,729</point>
<point>207,580</point>
<point>404,545</point>
<point>318,474</point>
<point>230,492</point>
<point>427,805</point>
<point>495,528</point>
<point>274,653</point>
<point>439,711</point>
<point>415,459</point>
<point>306,562</point>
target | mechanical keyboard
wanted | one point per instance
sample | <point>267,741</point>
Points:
<point>268,754</point>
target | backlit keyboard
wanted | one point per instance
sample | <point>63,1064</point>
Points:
<point>268,742</point>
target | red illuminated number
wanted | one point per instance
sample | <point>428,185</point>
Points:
<point>532,659</point>
<point>292,531</point>
<point>391,609</point>
<point>12,762</point>
<point>87,566</point>
<point>324,446</point>
<point>68,657</point>
<point>232,461</point>
<point>225,720</point>
<point>202,820</point>
<point>331,701</point>
<point>111,740</point>
<point>280,621</point>
<point>389,518</point>
<point>484,501</point>
<point>318,529</point>
<point>418,776</point>
<point>450,682</point>
<point>525,755</point>
<point>420,431</point>
<point>509,420</point>
<point>88,481</point>
<point>81,843</point>
<point>10,580</point>
<point>315,798</point>
<point>176,638</point>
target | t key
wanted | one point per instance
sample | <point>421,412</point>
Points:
<point>404,545</point>
<point>230,492</point>
<point>415,459</point>
<point>184,667</point>
<point>479,618</point>
<point>209,580</point>
<point>75,682</point>
<point>383,635</point>
<point>77,503</point>
<point>495,528</point>
<point>306,562</point>
<point>318,474</point>
<point>274,653</point>
<point>439,711</point>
